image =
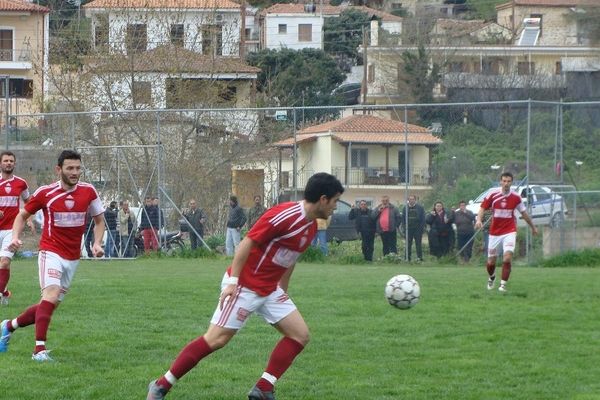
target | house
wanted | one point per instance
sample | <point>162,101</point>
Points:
<point>24,43</point>
<point>170,54</point>
<point>300,26</point>
<point>558,25</point>
<point>459,32</point>
<point>423,7</point>
<point>370,155</point>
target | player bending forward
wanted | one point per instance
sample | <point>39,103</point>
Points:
<point>257,282</point>
<point>65,205</point>
<point>503,231</point>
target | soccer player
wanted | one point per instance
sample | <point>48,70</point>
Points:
<point>257,282</point>
<point>503,230</point>
<point>12,190</point>
<point>65,205</point>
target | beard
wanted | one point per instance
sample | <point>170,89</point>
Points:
<point>68,181</point>
<point>8,170</point>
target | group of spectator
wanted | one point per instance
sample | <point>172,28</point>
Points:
<point>445,228</point>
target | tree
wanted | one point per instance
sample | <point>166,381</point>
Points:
<point>344,34</point>
<point>420,74</point>
<point>291,78</point>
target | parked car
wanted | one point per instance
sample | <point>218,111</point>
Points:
<point>341,228</point>
<point>545,206</point>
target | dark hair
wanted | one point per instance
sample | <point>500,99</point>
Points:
<point>508,174</point>
<point>68,155</point>
<point>462,201</point>
<point>8,153</point>
<point>233,199</point>
<point>322,184</point>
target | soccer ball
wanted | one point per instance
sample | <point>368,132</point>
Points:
<point>402,291</point>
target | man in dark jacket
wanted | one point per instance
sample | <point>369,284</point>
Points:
<point>235,222</point>
<point>149,225</point>
<point>110,220</point>
<point>388,219</point>
<point>413,219</point>
<point>196,219</point>
<point>365,226</point>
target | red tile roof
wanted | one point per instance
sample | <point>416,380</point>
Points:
<point>172,59</point>
<point>176,4</point>
<point>549,3</point>
<point>293,8</point>
<point>21,5</point>
<point>365,129</point>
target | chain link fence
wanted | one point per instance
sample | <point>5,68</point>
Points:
<point>445,152</point>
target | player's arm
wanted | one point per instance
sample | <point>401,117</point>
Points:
<point>527,219</point>
<point>285,279</point>
<point>479,219</point>
<point>239,260</point>
<point>18,226</point>
<point>97,249</point>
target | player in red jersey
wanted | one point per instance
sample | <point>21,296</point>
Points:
<point>12,190</point>
<point>65,205</point>
<point>257,282</point>
<point>503,231</point>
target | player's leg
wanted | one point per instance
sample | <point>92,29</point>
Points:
<point>5,259</point>
<point>508,244</point>
<point>286,319</point>
<point>493,243</point>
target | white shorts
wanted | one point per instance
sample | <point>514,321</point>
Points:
<point>5,239</point>
<point>505,242</point>
<point>244,302</point>
<point>55,270</point>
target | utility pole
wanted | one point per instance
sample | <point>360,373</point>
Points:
<point>365,69</point>
<point>243,30</point>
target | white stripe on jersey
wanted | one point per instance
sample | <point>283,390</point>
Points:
<point>282,216</point>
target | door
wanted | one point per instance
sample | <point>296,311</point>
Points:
<point>403,168</point>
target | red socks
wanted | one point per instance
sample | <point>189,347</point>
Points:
<point>506,266</point>
<point>491,268</point>
<point>43,316</point>
<point>4,277</point>
<point>186,360</point>
<point>281,358</point>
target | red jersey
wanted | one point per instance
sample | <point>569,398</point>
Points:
<point>282,233</point>
<point>11,192</point>
<point>64,216</point>
<point>503,211</point>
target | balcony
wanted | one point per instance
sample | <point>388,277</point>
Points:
<point>15,59</point>
<point>374,176</point>
<point>497,81</point>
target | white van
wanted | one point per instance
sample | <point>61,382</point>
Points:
<point>546,208</point>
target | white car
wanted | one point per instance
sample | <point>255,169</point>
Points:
<point>545,207</point>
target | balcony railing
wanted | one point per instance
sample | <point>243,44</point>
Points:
<point>372,176</point>
<point>22,55</point>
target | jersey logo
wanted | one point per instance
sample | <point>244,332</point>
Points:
<point>503,204</point>
<point>69,202</point>
<point>7,188</point>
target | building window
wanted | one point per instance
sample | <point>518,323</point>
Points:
<point>456,67</point>
<point>526,68</point>
<point>212,40</point>
<point>305,32</point>
<point>248,33</point>
<point>282,29</point>
<point>359,158</point>
<point>101,31</point>
<point>141,92</point>
<point>6,44</point>
<point>177,35</point>
<point>558,68</point>
<point>227,95</point>
<point>18,88</point>
<point>137,38</point>
<point>371,73</point>
<point>540,17</point>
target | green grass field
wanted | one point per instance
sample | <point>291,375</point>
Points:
<point>124,322</point>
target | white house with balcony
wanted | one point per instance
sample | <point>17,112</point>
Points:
<point>156,54</point>
<point>24,39</point>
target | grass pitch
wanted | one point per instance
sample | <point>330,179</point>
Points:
<point>123,323</point>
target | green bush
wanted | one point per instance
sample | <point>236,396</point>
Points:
<point>312,255</point>
<point>215,241</point>
<point>581,258</point>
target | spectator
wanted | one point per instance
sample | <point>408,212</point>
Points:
<point>465,229</point>
<point>127,227</point>
<point>149,226</point>
<point>388,219</point>
<point>196,219</point>
<point>413,216</point>
<point>321,237</point>
<point>89,233</point>
<point>440,228</point>
<point>256,211</point>
<point>235,222</point>
<point>365,226</point>
<point>110,220</point>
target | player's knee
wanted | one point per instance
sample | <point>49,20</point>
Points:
<point>4,263</point>
<point>302,337</point>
